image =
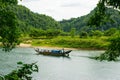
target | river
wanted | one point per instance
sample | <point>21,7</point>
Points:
<point>77,67</point>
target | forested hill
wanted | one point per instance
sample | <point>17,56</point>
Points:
<point>80,23</point>
<point>29,20</point>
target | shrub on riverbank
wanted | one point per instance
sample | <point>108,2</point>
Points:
<point>23,72</point>
<point>84,43</point>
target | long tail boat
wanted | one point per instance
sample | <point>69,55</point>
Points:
<point>53,52</point>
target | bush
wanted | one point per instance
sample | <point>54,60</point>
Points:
<point>97,33</point>
<point>110,32</point>
<point>83,34</point>
<point>113,51</point>
<point>23,72</point>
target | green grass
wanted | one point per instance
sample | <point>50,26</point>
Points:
<point>76,42</point>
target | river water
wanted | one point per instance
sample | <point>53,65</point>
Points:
<point>77,67</point>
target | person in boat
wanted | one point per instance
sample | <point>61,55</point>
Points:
<point>56,51</point>
<point>36,49</point>
<point>63,50</point>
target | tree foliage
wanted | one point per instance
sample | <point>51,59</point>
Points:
<point>37,33</point>
<point>113,3</point>
<point>83,34</point>
<point>110,32</point>
<point>97,33</point>
<point>72,32</point>
<point>49,33</point>
<point>81,23</point>
<point>11,2</point>
<point>23,72</point>
<point>16,18</point>
<point>113,51</point>
<point>8,25</point>
<point>98,17</point>
<point>27,20</point>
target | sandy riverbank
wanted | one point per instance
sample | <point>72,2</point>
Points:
<point>24,45</point>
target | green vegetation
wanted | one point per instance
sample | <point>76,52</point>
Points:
<point>17,19</point>
<point>9,36</point>
<point>113,51</point>
<point>42,30</point>
<point>28,20</point>
<point>50,33</point>
<point>69,42</point>
<point>23,72</point>
<point>8,25</point>
<point>47,34</point>
<point>72,32</point>
<point>112,20</point>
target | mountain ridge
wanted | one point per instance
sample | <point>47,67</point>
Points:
<point>80,23</point>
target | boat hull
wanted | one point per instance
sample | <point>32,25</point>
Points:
<point>50,53</point>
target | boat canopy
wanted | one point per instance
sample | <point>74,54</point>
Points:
<point>56,51</point>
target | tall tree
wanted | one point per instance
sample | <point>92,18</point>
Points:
<point>100,14</point>
<point>113,51</point>
<point>8,25</point>
<point>72,32</point>
<point>113,3</point>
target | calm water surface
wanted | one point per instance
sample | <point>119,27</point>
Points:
<point>77,67</point>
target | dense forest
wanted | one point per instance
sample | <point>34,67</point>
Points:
<point>112,20</point>
<point>27,20</point>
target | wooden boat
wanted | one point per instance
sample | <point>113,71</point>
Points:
<point>53,52</point>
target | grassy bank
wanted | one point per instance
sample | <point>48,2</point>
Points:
<point>68,42</point>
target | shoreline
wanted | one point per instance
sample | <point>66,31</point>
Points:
<point>22,45</point>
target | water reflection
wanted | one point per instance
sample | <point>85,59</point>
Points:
<point>77,67</point>
<point>66,57</point>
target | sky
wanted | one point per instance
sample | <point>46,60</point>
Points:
<point>60,9</point>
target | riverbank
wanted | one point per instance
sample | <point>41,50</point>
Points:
<point>23,45</point>
<point>76,43</point>
<point>90,43</point>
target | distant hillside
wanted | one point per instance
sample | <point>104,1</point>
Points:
<point>80,23</point>
<point>28,19</point>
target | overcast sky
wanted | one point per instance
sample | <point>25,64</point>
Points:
<point>61,9</point>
